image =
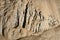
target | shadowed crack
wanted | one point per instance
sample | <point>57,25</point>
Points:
<point>24,23</point>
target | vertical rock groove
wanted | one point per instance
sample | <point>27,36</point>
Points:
<point>24,23</point>
<point>17,23</point>
<point>23,18</point>
<point>41,16</point>
<point>3,26</point>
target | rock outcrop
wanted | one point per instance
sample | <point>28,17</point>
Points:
<point>22,18</point>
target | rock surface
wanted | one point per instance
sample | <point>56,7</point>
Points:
<point>29,18</point>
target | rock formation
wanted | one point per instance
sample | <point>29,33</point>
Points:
<point>22,18</point>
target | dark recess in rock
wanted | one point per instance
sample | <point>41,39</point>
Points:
<point>24,23</point>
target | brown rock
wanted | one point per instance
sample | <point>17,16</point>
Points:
<point>24,18</point>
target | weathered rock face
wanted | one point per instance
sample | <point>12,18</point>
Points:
<point>21,18</point>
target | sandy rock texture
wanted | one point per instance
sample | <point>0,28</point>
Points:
<point>29,19</point>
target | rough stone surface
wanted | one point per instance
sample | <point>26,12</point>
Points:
<point>29,19</point>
